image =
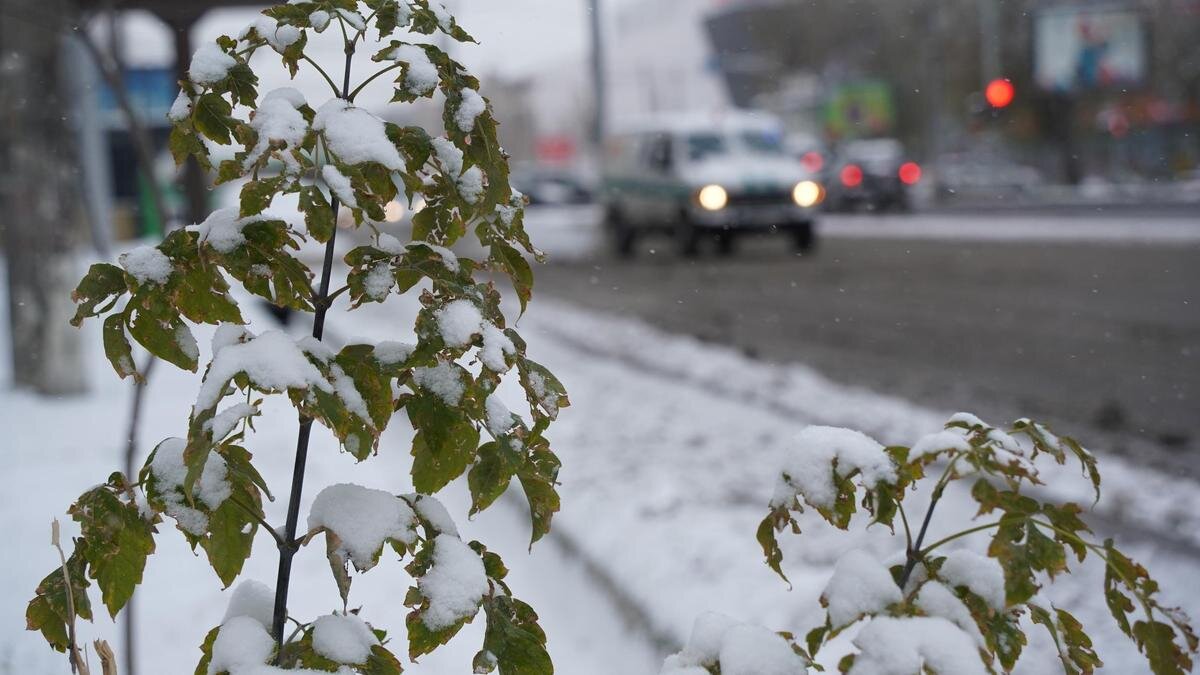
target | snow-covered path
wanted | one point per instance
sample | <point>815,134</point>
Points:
<point>668,453</point>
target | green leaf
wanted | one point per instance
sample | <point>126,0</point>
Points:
<point>49,611</point>
<point>206,651</point>
<point>117,347</point>
<point>115,539</point>
<point>256,195</point>
<point>166,336</point>
<point>212,117</point>
<point>318,215</point>
<point>538,478</point>
<point>491,475</point>
<point>435,466</point>
<point>232,526</point>
<point>183,143</point>
<point>775,521</point>
<point>517,268</point>
<point>99,289</point>
<point>1157,641</point>
<point>514,637</point>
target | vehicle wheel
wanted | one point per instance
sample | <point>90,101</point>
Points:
<point>804,238</point>
<point>687,239</point>
<point>623,236</point>
<point>726,243</point>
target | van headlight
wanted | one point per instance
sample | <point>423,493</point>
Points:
<point>712,197</point>
<point>807,193</point>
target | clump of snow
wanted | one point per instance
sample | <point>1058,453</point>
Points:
<point>186,342</point>
<point>316,348</point>
<point>945,440</point>
<point>210,64</point>
<point>319,20</point>
<point>272,361</point>
<point>147,264</point>
<point>860,585</point>
<point>435,513</point>
<point>225,421</point>
<point>982,575</point>
<point>470,181</point>
<point>252,599</point>
<point>471,107</point>
<point>442,380</point>
<point>936,600</point>
<point>390,353</point>
<point>454,585</point>
<point>967,419</point>
<point>499,417</point>
<point>344,638</point>
<point>459,322</point>
<point>279,121</point>
<point>389,244</point>
<point>737,648</point>
<point>241,643</point>
<point>170,473</point>
<point>280,36</point>
<point>346,390</point>
<point>445,20</point>
<point>356,20</point>
<point>817,447</point>
<point>340,184</point>
<point>229,334</point>
<point>422,76</point>
<point>379,281</point>
<point>362,519</point>
<point>355,135</point>
<point>181,109</point>
<point>222,229</point>
<point>496,345</point>
<point>891,646</point>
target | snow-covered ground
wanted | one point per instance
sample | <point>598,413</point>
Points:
<point>669,453</point>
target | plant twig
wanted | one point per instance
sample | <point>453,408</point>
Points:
<point>369,80</point>
<point>77,663</point>
<point>288,548</point>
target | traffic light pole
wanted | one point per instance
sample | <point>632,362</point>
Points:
<point>599,99</point>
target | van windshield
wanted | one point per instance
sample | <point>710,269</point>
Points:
<point>702,146</point>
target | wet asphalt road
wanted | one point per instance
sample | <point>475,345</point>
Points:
<point>1099,338</point>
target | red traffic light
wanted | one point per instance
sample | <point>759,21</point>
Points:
<point>999,93</point>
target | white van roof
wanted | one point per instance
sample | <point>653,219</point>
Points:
<point>698,122</point>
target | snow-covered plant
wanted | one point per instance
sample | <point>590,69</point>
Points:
<point>331,155</point>
<point>942,608</point>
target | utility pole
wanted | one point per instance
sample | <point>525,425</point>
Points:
<point>599,99</point>
<point>989,40</point>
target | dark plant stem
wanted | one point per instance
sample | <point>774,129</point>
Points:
<point>914,551</point>
<point>129,626</point>
<point>288,544</point>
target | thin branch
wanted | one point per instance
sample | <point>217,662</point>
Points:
<point>324,74</point>
<point>370,79</point>
<point>259,519</point>
<point>946,540</point>
<point>908,542</point>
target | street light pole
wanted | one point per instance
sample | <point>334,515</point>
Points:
<point>597,67</point>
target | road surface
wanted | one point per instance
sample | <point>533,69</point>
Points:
<point>1092,325</point>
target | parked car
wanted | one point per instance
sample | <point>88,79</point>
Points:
<point>872,173</point>
<point>706,177</point>
<point>552,186</point>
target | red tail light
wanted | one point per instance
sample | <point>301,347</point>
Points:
<point>910,173</point>
<point>812,160</point>
<point>852,175</point>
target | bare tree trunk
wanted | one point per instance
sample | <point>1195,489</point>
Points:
<point>40,207</point>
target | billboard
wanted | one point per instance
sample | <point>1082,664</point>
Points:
<point>1081,48</point>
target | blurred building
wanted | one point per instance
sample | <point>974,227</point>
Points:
<point>660,60</point>
<point>1102,88</point>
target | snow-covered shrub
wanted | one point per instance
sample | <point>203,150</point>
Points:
<point>943,609</point>
<point>332,155</point>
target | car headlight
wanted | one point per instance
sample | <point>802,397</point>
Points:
<point>807,193</point>
<point>712,197</point>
